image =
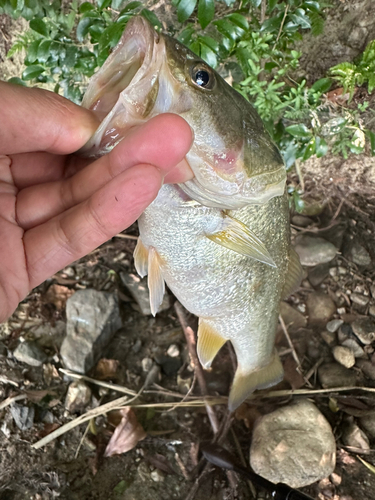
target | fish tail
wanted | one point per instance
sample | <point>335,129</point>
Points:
<point>245,383</point>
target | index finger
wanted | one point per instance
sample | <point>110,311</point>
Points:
<point>39,120</point>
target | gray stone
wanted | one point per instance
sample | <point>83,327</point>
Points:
<point>281,439</point>
<point>334,325</point>
<point>328,337</point>
<point>139,290</point>
<point>301,220</point>
<point>29,353</point>
<point>354,347</point>
<point>173,351</point>
<point>320,308</point>
<point>77,397</point>
<point>359,299</point>
<point>313,250</point>
<point>293,319</point>
<point>92,319</point>
<point>368,423</point>
<point>335,375</point>
<point>318,274</point>
<point>23,416</point>
<point>344,356</point>
<point>367,368</point>
<point>357,254</point>
<point>353,436</point>
<point>364,329</point>
<point>147,364</point>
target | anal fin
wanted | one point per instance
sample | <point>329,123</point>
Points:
<point>293,275</point>
<point>141,258</point>
<point>209,343</point>
<point>245,383</point>
<point>155,281</point>
<point>238,237</point>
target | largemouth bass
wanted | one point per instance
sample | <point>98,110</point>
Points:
<point>221,241</point>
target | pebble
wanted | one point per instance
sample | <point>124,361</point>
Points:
<point>293,319</point>
<point>157,476</point>
<point>354,436</point>
<point>341,310</point>
<point>30,353</point>
<point>77,397</point>
<point>334,325</point>
<point>301,220</point>
<point>147,364</point>
<point>367,368</point>
<point>318,274</point>
<point>357,254</point>
<point>92,319</point>
<point>139,290</point>
<point>342,270</point>
<point>364,329</point>
<point>281,438</point>
<point>359,299</point>
<point>368,423</point>
<point>173,351</point>
<point>354,347</point>
<point>336,375</point>
<point>328,337</point>
<point>23,416</point>
<point>314,250</point>
<point>345,331</point>
<point>320,308</point>
<point>344,356</point>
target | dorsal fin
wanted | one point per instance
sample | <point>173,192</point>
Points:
<point>209,343</point>
<point>141,258</point>
<point>155,281</point>
<point>236,236</point>
<point>293,275</point>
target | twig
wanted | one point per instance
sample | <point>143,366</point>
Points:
<point>126,236</point>
<point>280,31</point>
<point>107,385</point>
<point>263,8</point>
<point>12,399</point>
<point>314,368</point>
<point>192,346</point>
<point>299,174</point>
<point>81,441</point>
<point>294,354</point>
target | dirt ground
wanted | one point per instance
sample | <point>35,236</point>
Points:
<point>167,463</point>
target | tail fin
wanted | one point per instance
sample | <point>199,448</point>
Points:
<point>246,383</point>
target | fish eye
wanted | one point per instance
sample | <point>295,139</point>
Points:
<point>202,76</point>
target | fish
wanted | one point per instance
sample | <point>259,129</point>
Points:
<point>221,241</point>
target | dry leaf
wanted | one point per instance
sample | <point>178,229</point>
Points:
<point>127,434</point>
<point>291,373</point>
<point>58,295</point>
<point>106,369</point>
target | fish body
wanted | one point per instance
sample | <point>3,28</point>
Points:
<point>221,241</point>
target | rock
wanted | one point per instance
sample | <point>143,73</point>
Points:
<point>320,308</point>
<point>281,439</point>
<point>147,364</point>
<point>367,368</point>
<point>92,319</point>
<point>77,397</point>
<point>371,310</point>
<point>354,347</point>
<point>328,337</point>
<point>318,274</point>
<point>345,331</point>
<point>359,299</point>
<point>23,416</point>
<point>334,325</point>
<point>139,290</point>
<point>368,423</point>
<point>335,375</point>
<point>170,366</point>
<point>173,351</point>
<point>357,254</point>
<point>364,329</point>
<point>301,220</point>
<point>355,437</point>
<point>293,319</point>
<point>30,353</point>
<point>344,356</point>
<point>157,476</point>
<point>313,250</point>
<point>50,336</point>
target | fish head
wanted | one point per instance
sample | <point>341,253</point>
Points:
<point>234,161</point>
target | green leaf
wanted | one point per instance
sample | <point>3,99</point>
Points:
<point>39,26</point>
<point>210,42</point>
<point>300,18</point>
<point>83,27</point>
<point>85,7</point>
<point>208,55</point>
<point>17,81</point>
<point>103,4</point>
<point>152,19</point>
<point>130,7</point>
<point>312,5</point>
<point>185,35</point>
<point>239,20</point>
<point>299,204</point>
<point>206,12</point>
<point>32,71</point>
<point>321,147</point>
<point>299,130</point>
<point>371,136</point>
<point>289,154</point>
<point>323,85</point>
<point>185,9</point>
<point>271,5</point>
<point>111,35</point>
<point>310,150</point>
<point>32,51</point>
<point>272,24</point>
<point>44,51</point>
<point>255,3</point>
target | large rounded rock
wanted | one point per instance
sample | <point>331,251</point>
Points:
<point>313,250</point>
<point>293,445</point>
<point>320,308</point>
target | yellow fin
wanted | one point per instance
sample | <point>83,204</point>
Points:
<point>293,275</point>
<point>155,281</point>
<point>209,343</point>
<point>238,237</point>
<point>246,383</point>
<point>141,259</point>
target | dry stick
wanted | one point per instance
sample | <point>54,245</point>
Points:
<point>192,346</point>
<point>294,354</point>
<point>314,368</point>
<point>107,385</point>
<point>12,399</point>
<point>277,39</point>
<point>126,236</point>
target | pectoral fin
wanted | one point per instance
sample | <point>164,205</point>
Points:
<point>245,383</point>
<point>141,259</point>
<point>209,343</point>
<point>293,275</point>
<point>155,281</point>
<point>238,237</point>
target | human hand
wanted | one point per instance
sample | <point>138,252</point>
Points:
<point>56,207</point>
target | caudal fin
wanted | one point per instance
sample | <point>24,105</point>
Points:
<point>245,383</point>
